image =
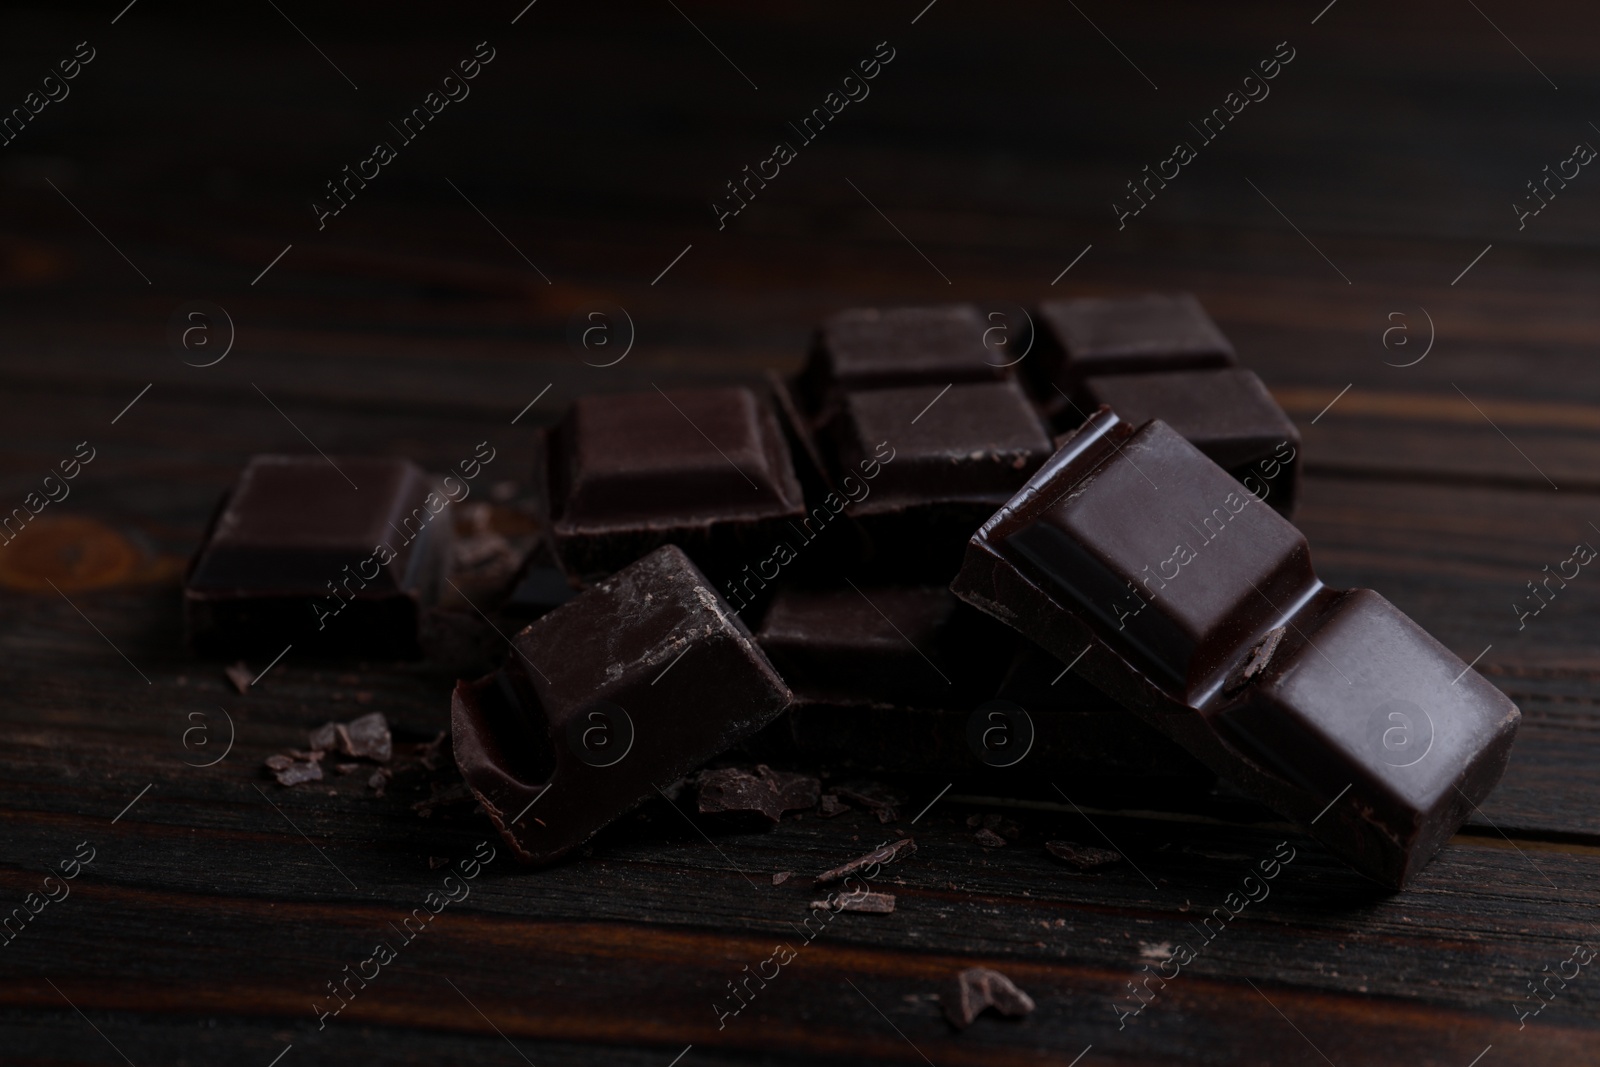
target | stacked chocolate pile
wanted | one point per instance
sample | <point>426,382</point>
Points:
<point>890,562</point>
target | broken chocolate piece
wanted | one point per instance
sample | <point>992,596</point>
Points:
<point>1132,545</point>
<point>858,900</point>
<point>1082,856</point>
<point>607,700</point>
<point>782,877</point>
<point>980,988</point>
<point>767,792</point>
<point>1124,335</point>
<point>367,737</point>
<point>298,554</point>
<point>989,839</point>
<point>877,857</point>
<point>290,771</point>
<point>831,805</point>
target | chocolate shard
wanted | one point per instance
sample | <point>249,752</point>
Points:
<point>877,857</point>
<point>606,701</point>
<point>978,989</point>
<point>705,469</point>
<point>1360,727</point>
<point>1225,412</point>
<point>859,900</point>
<point>297,554</point>
<point>765,792</point>
<point>1082,857</point>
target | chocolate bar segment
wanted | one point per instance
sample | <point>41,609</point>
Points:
<point>1125,335</point>
<point>1195,605</point>
<point>334,559</point>
<point>1225,412</point>
<point>942,458</point>
<point>705,469</point>
<point>607,699</point>
<point>868,348</point>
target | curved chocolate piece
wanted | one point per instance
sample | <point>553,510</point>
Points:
<point>609,698</point>
<point>1196,606</point>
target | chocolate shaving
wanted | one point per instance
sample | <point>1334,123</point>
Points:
<point>1082,857</point>
<point>880,855</point>
<point>980,988</point>
<point>1257,662</point>
<point>860,900</point>
<point>766,792</point>
<point>239,675</point>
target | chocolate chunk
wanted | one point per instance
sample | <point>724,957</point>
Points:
<point>1226,413</point>
<point>290,771</point>
<point>705,469</point>
<point>890,644</point>
<point>1082,856</point>
<point>767,792</point>
<point>868,348</point>
<point>782,877</point>
<point>608,699</point>
<point>989,839</point>
<point>859,900</point>
<point>298,555</point>
<point>1124,335</point>
<point>980,988</point>
<point>831,805</point>
<point>877,857</point>
<point>1361,728</point>
<point>919,468</point>
<point>364,738</point>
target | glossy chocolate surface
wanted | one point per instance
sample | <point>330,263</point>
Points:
<point>608,698</point>
<point>299,554</point>
<point>1225,412</point>
<point>1198,608</point>
<point>701,468</point>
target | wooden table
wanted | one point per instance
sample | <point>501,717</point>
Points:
<point>1366,201</point>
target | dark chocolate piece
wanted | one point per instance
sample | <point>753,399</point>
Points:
<point>1226,413</point>
<point>859,900</point>
<point>932,461</point>
<point>765,792</point>
<point>1124,335</point>
<point>705,469</point>
<point>869,348</point>
<point>989,839</point>
<point>1083,857</point>
<point>1135,551</point>
<point>782,877</point>
<point>364,738</point>
<point>876,858</point>
<point>890,644</point>
<point>299,555</point>
<point>980,988</point>
<point>607,699</point>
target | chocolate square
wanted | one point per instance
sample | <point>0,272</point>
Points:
<point>869,348</point>
<point>706,469</point>
<point>297,554</point>
<point>608,699</point>
<point>1123,335</point>
<point>1226,413</point>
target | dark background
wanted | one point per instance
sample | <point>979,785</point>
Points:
<point>997,139</point>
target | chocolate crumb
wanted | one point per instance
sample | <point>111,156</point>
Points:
<point>782,877</point>
<point>765,792</point>
<point>860,900</point>
<point>831,805</point>
<point>881,855</point>
<point>1082,857</point>
<point>294,771</point>
<point>347,768</point>
<point>367,737</point>
<point>989,839</point>
<point>980,988</point>
<point>239,675</point>
<point>1257,662</point>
